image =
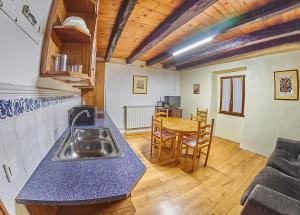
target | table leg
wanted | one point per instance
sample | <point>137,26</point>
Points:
<point>178,151</point>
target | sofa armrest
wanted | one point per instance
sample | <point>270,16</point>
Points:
<point>264,200</point>
<point>290,146</point>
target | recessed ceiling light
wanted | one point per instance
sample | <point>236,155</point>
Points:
<point>194,45</point>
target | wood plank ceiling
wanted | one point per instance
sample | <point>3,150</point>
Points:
<point>147,15</point>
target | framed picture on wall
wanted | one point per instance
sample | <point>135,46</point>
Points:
<point>286,85</point>
<point>196,89</point>
<point>140,84</point>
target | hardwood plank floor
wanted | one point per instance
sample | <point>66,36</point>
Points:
<point>168,189</point>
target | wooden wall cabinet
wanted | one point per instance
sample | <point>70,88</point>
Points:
<point>79,46</point>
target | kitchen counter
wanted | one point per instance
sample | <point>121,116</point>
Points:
<point>80,182</point>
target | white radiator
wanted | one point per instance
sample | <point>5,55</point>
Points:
<point>138,117</point>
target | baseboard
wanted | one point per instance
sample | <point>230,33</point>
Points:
<point>137,131</point>
<point>221,138</point>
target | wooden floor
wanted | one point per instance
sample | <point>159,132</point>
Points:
<point>169,189</point>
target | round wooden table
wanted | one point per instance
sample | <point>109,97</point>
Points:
<point>180,126</point>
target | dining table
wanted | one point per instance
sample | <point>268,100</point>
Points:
<point>180,126</point>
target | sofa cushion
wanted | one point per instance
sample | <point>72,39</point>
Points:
<point>263,200</point>
<point>276,180</point>
<point>290,146</point>
<point>285,162</point>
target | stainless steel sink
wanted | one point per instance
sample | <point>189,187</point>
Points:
<point>92,134</point>
<point>89,144</point>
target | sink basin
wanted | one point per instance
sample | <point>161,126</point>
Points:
<point>91,134</point>
<point>89,144</point>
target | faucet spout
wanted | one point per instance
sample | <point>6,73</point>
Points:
<point>74,120</point>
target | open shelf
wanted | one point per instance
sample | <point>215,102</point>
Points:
<point>73,78</point>
<point>84,85</point>
<point>66,76</point>
<point>86,6</point>
<point>73,41</point>
<point>72,34</point>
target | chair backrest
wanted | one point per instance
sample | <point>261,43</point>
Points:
<point>157,125</point>
<point>202,115</point>
<point>205,132</point>
<point>194,118</point>
<point>161,113</point>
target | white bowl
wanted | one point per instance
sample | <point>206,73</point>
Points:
<point>77,22</point>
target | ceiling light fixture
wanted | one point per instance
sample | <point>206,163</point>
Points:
<point>199,43</point>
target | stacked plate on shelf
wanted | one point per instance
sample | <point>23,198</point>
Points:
<point>76,22</point>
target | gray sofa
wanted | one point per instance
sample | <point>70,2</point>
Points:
<point>276,188</point>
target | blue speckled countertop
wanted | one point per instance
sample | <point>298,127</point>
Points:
<point>84,181</point>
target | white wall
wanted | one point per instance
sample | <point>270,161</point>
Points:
<point>227,127</point>
<point>19,55</point>
<point>118,87</point>
<point>190,101</point>
<point>265,119</point>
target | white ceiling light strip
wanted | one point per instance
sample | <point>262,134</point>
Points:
<point>195,45</point>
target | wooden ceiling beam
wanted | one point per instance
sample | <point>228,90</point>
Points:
<point>272,9</point>
<point>184,13</point>
<point>121,20</point>
<point>277,41</point>
<point>158,58</point>
<point>244,50</point>
<point>268,33</point>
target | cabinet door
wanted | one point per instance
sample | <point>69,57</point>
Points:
<point>176,113</point>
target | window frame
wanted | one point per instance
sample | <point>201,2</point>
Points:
<point>230,112</point>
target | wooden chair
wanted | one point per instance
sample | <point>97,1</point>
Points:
<point>160,136</point>
<point>198,142</point>
<point>158,114</point>
<point>201,115</point>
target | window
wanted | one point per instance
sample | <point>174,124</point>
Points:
<point>232,95</point>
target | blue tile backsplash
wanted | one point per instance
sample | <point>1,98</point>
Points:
<point>15,107</point>
<point>30,123</point>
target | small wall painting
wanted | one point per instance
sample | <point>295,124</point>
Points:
<point>140,84</point>
<point>286,85</point>
<point>196,89</point>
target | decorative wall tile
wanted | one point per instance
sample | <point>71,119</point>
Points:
<point>2,154</point>
<point>29,126</point>
<point>42,128</point>
<point>30,122</point>
<point>44,146</point>
<point>25,112</point>
<point>21,126</point>
<point>11,150</point>
<point>26,144</point>
<point>18,106</point>
<point>31,161</point>
<point>8,132</point>
<point>2,175</point>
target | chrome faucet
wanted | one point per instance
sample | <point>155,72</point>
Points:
<point>74,120</point>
